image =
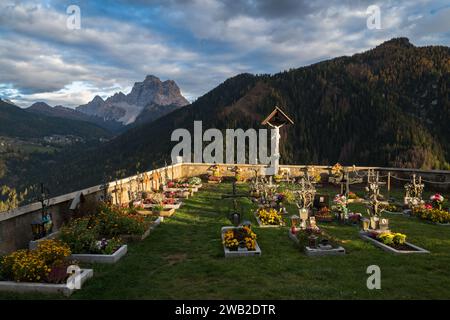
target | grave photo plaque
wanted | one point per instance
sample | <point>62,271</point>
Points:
<point>321,201</point>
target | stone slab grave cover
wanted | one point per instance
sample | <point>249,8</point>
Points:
<point>414,249</point>
<point>101,258</point>
<point>44,288</point>
<point>320,251</point>
<point>239,253</point>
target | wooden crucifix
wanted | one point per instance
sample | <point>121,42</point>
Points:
<point>276,119</point>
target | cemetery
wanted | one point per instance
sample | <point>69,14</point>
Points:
<point>299,232</point>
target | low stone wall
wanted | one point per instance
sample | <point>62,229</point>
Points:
<point>15,225</point>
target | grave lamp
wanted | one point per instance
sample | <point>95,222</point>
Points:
<point>37,229</point>
<point>235,218</point>
<point>365,224</point>
<point>312,241</point>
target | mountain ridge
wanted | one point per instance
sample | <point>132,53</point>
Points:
<point>152,93</point>
<point>59,111</point>
<point>18,122</point>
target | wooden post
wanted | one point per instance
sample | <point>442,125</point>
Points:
<point>389,185</point>
<point>347,184</point>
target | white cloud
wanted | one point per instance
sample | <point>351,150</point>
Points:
<point>41,58</point>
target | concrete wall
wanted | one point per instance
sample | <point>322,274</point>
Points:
<point>15,225</point>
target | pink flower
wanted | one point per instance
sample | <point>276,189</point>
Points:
<point>437,197</point>
<point>428,206</point>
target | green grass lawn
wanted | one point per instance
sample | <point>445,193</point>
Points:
<point>183,259</point>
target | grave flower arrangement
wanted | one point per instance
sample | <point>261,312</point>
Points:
<point>312,237</point>
<point>169,194</point>
<point>171,184</point>
<point>241,237</point>
<point>48,263</point>
<point>155,198</point>
<point>83,236</point>
<point>168,201</point>
<point>269,216</point>
<point>100,233</point>
<point>108,246</point>
<point>392,208</point>
<point>215,175</point>
<point>431,214</point>
<point>178,184</point>
<point>324,215</point>
<point>437,200</point>
<point>352,195</point>
<point>195,181</point>
<point>340,206</point>
<point>278,177</point>
<point>393,239</point>
<point>288,196</point>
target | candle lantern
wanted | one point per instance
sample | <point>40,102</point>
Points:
<point>38,230</point>
<point>384,224</point>
<point>365,224</point>
<point>312,241</point>
<point>235,218</point>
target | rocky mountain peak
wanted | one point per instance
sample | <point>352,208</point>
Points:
<point>126,108</point>
<point>97,99</point>
<point>150,79</point>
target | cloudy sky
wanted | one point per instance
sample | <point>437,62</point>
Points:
<point>197,43</point>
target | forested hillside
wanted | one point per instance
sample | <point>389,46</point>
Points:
<point>388,106</point>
